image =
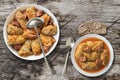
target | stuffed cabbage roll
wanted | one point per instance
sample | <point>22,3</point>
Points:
<point>88,56</point>
<point>21,18</point>
<point>47,40</point>
<point>94,56</point>
<point>14,30</point>
<point>30,34</point>
<point>98,46</point>
<point>46,18</point>
<point>104,57</point>
<point>31,12</point>
<point>90,44</point>
<point>79,50</point>
<point>35,47</point>
<point>49,30</point>
<point>84,47</point>
<point>26,49</point>
<point>16,39</point>
<point>89,65</point>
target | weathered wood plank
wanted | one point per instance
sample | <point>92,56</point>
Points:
<point>70,14</point>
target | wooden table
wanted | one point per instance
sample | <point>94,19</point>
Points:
<point>70,14</point>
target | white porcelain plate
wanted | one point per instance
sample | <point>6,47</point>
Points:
<point>101,71</point>
<point>11,16</point>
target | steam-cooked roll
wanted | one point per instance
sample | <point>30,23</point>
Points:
<point>79,50</point>
<point>104,57</point>
<point>88,56</point>
<point>94,56</point>
<point>90,44</point>
<point>89,65</point>
<point>98,47</point>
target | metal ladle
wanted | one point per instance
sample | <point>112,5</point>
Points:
<point>34,23</point>
<point>69,44</point>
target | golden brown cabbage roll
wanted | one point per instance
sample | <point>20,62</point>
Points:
<point>35,47</point>
<point>26,49</point>
<point>30,34</point>
<point>90,44</point>
<point>89,65</point>
<point>20,17</point>
<point>95,56</point>
<point>14,30</point>
<point>79,50</point>
<point>47,40</point>
<point>15,39</point>
<point>46,18</point>
<point>104,57</point>
<point>49,30</point>
<point>88,56</point>
<point>98,46</point>
<point>31,12</point>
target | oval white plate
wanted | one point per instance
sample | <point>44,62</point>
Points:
<point>11,16</point>
<point>99,72</point>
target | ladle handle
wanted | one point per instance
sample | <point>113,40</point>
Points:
<point>46,61</point>
<point>65,65</point>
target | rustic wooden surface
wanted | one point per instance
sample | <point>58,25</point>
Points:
<point>70,14</point>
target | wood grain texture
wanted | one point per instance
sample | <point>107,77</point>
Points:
<point>70,14</point>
